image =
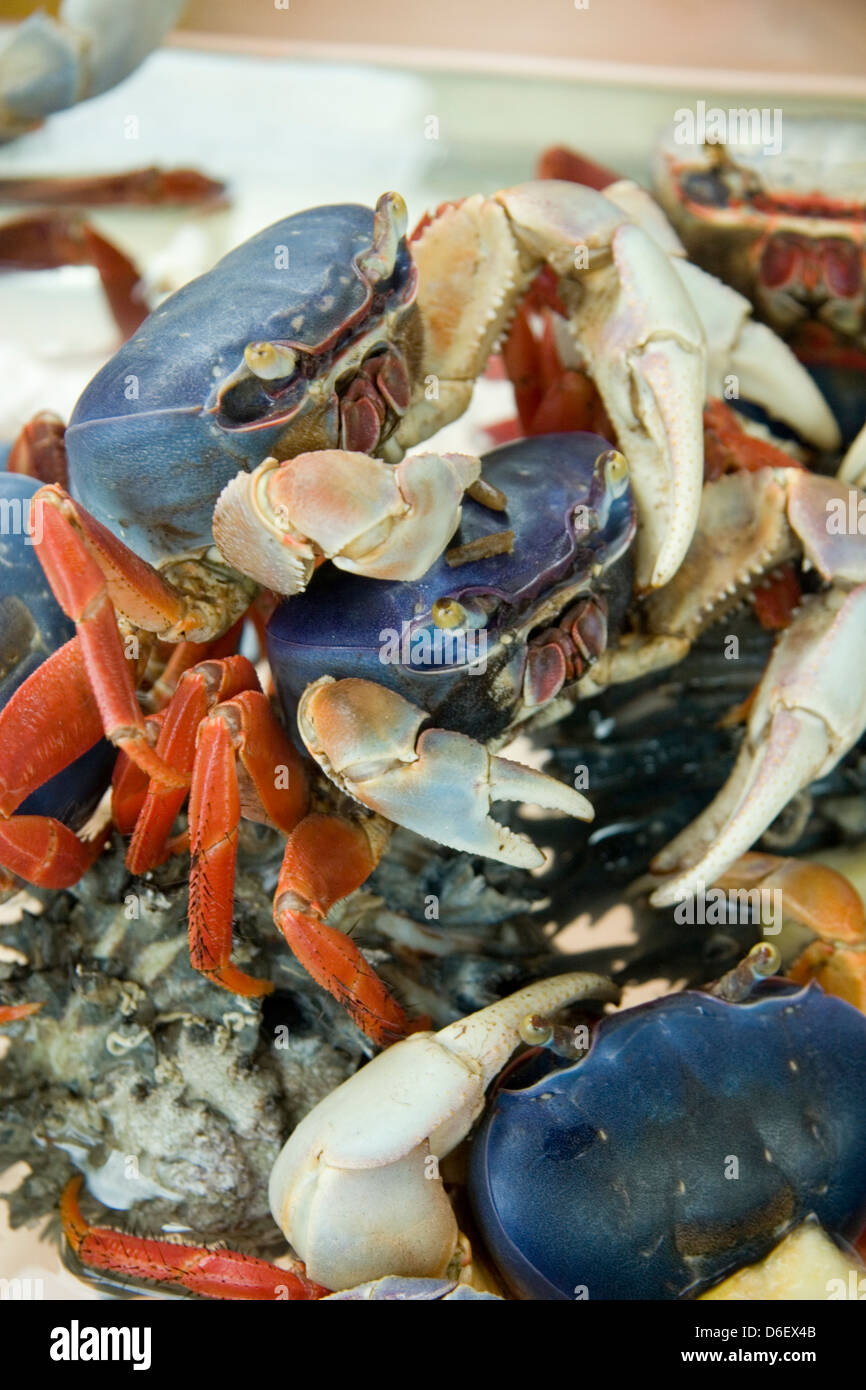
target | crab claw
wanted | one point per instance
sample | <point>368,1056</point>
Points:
<point>809,709</point>
<point>635,326</point>
<point>279,522</point>
<point>763,366</point>
<point>356,1189</point>
<point>437,783</point>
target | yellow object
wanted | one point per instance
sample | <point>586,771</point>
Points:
<point>805,1265</point>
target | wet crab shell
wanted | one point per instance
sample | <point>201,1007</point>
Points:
<point>166,423</point>
<point>693,1135</point>
<point>347,626</point>
<point>32,626</point>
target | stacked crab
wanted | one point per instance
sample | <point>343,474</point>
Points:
<point>252,430</point>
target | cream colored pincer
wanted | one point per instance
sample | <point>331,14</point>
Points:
<point>356,1190</point>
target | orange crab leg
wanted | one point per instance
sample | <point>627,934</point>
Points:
<point>562,163</point>
<point>199,689</point>
<point>823,900</point>
<point>48,722</point>
<point>150,187</point>
<point>11,1013</point>
<point>209,1273</point>
<point>81,589</point>
<point>274,788</point>
<point>327,858</point>
<point>184,655</point>
<point>39,451</point>
<point>46,852</point>
<point>48,240</point>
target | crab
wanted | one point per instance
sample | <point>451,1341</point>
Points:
<point>340,1190</point>
<point>759,511</point>
<point>252,395</point>
<point>546,610</point>
<point>788,229</point>
<point>610,1176</point>
<point>363,1187</point>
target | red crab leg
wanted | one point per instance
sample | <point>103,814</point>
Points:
<point>82,582</point>
<point>562,163</point>
<point>11,1013</point>
<point>47,723</point>
<point>244,731</point>
<point>327,858</point>
<point>129,785</point>
<point>39,451</point>
<point>52,239</point>
<point>209,1273</point>
<point>728,447</point>
<point>199,690</point>
<point>46,852</point>
<point>150,187</point>
<point>184,655</point>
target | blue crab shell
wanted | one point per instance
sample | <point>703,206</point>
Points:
<point>383,630</point>
<point>32,626</point>
<point>692,1136</point>
<point>161,428</point>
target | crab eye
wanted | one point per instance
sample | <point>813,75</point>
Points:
<point>447,612</point>
<point>615,471</point>
<point>707,188</point>
<point>269,361</point>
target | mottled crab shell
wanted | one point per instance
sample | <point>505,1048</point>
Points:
<point>816,180</point>
<point>688,1141</point>
<point>173,416</point>
<point>32,626</point>
<point>348,626</point>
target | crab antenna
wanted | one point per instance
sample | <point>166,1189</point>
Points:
<point>763,960</point>
<point>389,228</point>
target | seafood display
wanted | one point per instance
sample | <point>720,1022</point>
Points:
<point>316,737</point>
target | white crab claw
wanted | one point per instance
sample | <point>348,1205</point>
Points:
<point>765,368</point>
<point>356,1188</point>
<point>809,710</point>
<point>439,783</point>
<point>370,517</point>
<point>643,343</point>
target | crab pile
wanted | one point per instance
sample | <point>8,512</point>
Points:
<point>234,600</point>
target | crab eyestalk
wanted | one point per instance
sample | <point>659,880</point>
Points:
<point>270,361</point>
<point>356,1189</point>
<point>389,229</point>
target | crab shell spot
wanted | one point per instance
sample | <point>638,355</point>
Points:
<point>356,722</point>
